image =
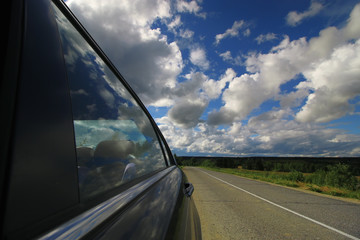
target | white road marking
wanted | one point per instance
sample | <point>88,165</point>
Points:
<point>286,209</point>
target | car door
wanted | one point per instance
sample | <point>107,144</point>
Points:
<point>84,157</point>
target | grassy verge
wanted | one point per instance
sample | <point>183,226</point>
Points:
<point>292,179</point>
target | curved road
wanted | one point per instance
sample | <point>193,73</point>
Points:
<point>232,207</point>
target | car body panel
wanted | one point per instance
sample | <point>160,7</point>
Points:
<point>43,171</point>
<point>95,217</point>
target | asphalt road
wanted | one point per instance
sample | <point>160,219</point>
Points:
<point>232,207</point>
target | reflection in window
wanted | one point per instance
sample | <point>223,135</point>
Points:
<point>114,138</point>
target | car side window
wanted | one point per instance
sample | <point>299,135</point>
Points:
<point>115,140</point>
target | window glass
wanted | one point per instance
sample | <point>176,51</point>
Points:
<point>115,141</point>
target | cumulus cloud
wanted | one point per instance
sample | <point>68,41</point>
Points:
<point>189,88</point>
<point>295,18</point>
<point>191,7</point>
<point>189,105</point>
<point>275,133</point>
<point>352,29</point>
<point>292,99</point>
<point>265,37</point>
<point>198,58</point>
<point>213,89</point>
<point>194,95</point>
<point>334,81</point>
<point>241,97</point>
<point>247,32</point>
<point>227,57</point>
<point>330,64</point>
<point>204,139</point>
<point>266,134</point>
<point>187,113</point>
<point>186,33</point>
<point>176,22</point>
<point>233,31</point>
<point>267,73</point>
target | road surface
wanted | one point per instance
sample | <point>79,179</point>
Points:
<point>232,207</point>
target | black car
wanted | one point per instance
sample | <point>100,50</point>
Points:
<point>81,156</point>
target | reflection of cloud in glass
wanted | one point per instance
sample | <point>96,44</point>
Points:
<point>146,154</point>
<point>91,81</point>
<point>108,97</point>
<point>108,122</point>
<point>90,132</point>
<point>79,92</point>
<point>94,84</point>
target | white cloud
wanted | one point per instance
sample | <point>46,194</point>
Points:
<point>198,58</point>
<point>268,134</point>
<point>189,104</point>
<point>184,6</point>
<point>265,37</point>
<point>213,89</point>
<point>186,33</point>
<point>295,18</point>
<point>247,32</point>
<point>191,7</point>
<point>330,63</point>
<point>193,96</point>
<point>176,22</point>
<point>189,88</point>
<point>204,139</point>
<point>334,81</point>
<point>233,31</point>
<point>227,57</point>
<point>292,99</point>
<point>289,136</point>
<point>323,45</point>
<point>187,112</point>
<point>352,29</point>
<point>243,95</point>
<point>267,73</point>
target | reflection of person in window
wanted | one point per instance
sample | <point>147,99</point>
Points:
<point>111,160</point>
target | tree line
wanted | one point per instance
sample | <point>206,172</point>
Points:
<point>336,172</point>
<point>277,164</point>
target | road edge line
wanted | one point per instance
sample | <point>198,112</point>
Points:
<point>286,209</point>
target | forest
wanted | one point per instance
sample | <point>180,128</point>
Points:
<point>277,164</point>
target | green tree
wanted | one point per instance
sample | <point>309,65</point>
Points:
<point>208,163</point>
<point>340,176</point>
<point>296,176</point>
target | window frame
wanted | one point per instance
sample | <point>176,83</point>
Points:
<point>165,150</point>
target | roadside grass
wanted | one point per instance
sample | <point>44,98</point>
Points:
<point>289,179</point>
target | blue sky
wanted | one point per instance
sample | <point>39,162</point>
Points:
<point>275,78</point>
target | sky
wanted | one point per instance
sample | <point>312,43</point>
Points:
<point>239,78</point>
